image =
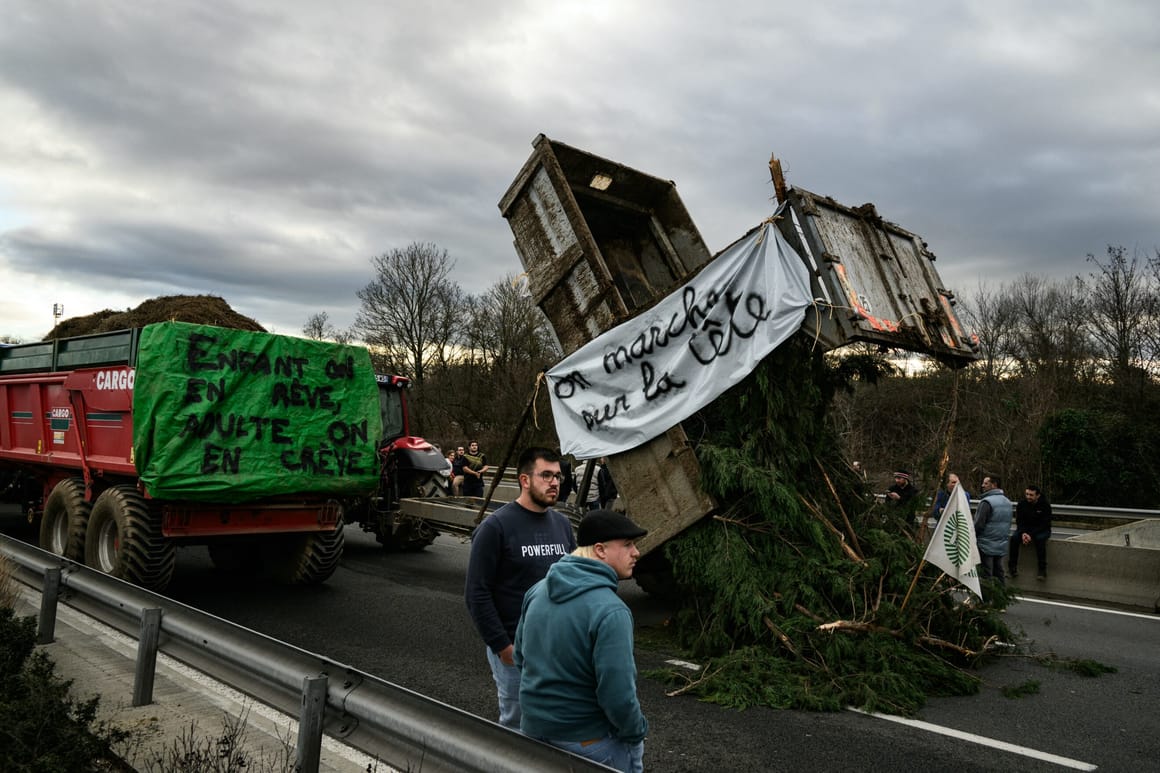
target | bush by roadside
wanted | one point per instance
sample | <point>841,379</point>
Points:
<point>43,727</point>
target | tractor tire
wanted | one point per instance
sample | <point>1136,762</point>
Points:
<point>434,485</point>
<point>125,540</point>
<point>65,520</point>
<point>303,559</point>
<point>411,536</point>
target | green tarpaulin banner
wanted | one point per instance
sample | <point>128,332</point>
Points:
<point>235,415</point>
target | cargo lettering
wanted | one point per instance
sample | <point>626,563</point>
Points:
<point>107,380</point>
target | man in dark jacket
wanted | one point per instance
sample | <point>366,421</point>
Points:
<point>903,489</point>
<point>1032,523</point>
<point>511,551</point>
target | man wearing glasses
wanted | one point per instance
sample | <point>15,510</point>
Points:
<point>511,551</point>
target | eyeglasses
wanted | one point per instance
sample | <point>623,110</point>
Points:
<point>547,476</point>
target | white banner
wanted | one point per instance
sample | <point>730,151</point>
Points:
<point>646,375</point>
<point>953,547</point>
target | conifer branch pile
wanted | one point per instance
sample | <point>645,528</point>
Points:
<point>794,592</point>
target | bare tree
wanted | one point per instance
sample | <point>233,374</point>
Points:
<point>1051,333</point>
<point>1152,333</point>
<point>409,311</point>
<point>512,331</point>
<point>506,342</point>
<point>992,316</point>
<point>1123,310</point>
<point>319,328</point>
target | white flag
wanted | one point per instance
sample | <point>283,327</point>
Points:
<point>952,547</point>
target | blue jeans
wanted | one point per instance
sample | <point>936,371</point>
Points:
<point>507,688</point>
<point>613,752</point>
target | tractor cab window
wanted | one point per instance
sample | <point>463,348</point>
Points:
<point>391,408</point>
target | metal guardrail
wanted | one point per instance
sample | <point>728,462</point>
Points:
<point>398,726</point>
<point>1063,512</point>
<point>1068,512</point>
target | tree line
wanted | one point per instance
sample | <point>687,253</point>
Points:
<point>1064,394</point>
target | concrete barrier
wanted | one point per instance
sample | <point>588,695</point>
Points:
<point>1119,566</point>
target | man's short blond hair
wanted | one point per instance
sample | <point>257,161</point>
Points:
<point>586,551</point>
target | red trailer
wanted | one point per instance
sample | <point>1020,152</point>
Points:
<point>122,445</point>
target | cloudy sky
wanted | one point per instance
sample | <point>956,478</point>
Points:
<point>264,151</point>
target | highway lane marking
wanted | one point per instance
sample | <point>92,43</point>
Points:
<point>1089,609</point>
<point>1025,751</point>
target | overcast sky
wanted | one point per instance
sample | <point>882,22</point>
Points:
<point>265,151</point>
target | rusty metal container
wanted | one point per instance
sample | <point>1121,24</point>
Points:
<point>876,281</point>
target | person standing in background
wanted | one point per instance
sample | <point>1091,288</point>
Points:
<point>944,494</point>
<point>993,527</point>
<point>474,467</point>
<point>1032,524</point>
<point>902,491</point>
<point>457,472</point>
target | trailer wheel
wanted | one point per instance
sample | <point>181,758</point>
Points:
<point>125,540</point>
<point>65,520</point>
<point>303,559</point>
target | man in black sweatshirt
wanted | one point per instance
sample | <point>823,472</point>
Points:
<point>511,551</point>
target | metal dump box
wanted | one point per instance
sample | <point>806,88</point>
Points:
<point>877,280</point>
<point>601,242</point>
<point>598,240</point>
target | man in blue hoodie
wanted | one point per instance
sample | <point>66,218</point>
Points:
<point>574,647</point>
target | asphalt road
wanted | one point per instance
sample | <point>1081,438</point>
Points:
<point>401,617</point>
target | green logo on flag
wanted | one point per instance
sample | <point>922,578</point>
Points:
<point>957,538</point>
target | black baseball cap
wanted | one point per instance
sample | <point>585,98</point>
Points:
<point>605,526</point>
